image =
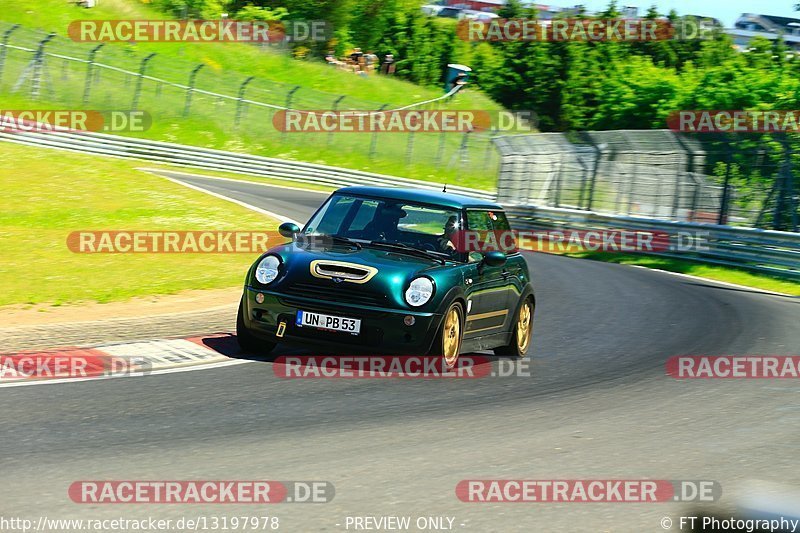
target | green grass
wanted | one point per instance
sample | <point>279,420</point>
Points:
<point>48,194</point>
<point>718,273</point>
<point>211,124</point>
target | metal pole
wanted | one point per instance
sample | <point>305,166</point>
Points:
<point>374,141</point>
<point>723,209</point>
<point>138,90</point>
<point>6,37</point>
<point>335,108</point>
<point>289,96</point>
<point>88,84</point>
<point>593,180</point>
<point>190,90</point>
<point>239,103</point>
<point>38,62</point>
<point>410,148</point>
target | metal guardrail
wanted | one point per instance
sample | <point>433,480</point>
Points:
<point>197,157</point>
<point>767,251</point>
<point>772,252</point>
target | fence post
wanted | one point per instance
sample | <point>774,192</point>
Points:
<point>488,151</point>
<point>410,147</point>
<point>793,196</point>
<point>38,62</point>
<point>138,89</point>
<point>190,90</point>
<point>595,168</point>
<point>723,208</point>
<point>6,38</point>
<point>335,108</point>
<point>289,97</point>
<point>440,151</point>
<point>781,187</point>
<point>373,143</point>
<point>87,87</point>
<point>239,101</point>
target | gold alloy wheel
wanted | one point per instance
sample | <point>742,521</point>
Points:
<point>451,337</point>
<point>524,326</point>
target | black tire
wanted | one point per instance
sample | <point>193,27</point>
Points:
<point>247,342</point>
<point>443,344</point>
<point>514,347</point>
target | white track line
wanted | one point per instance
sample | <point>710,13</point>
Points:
<point>716,282</point>
<point>232,200</point>
<point>203,176</point>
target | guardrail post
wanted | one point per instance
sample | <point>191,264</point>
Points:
<point>335,108</point>
<point>138,89</point>
<point>240,101</point>
<point>373,143</point>
<point>6,37</point>
<point>190,90</point>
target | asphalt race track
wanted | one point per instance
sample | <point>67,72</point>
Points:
<point>598,406</point>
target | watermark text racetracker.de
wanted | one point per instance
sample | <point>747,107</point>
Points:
<point>581,30</point>
<point>200,31</point>
<point>403,121</point>
<point>74,120</point>
<point>734,367</point>
<point>587,491</point>
<point>69,364</point>
<point>397,367</point>
<point>255,492</point>
<point>192,241</point>
<point>575,240</point>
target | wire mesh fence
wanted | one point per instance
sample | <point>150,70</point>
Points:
<point>209,105</point>
<point>743,181</point>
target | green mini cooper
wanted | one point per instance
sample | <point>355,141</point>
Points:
<point>377,269</point>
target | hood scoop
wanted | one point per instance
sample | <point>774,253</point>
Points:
<point>342,271</point>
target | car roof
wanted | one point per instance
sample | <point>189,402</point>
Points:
<point>424,196</point>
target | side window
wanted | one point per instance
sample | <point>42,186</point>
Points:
<point>500,221</point>
<point>479,221</point>
<point>495,232</point>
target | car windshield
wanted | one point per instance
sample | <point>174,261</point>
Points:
<point>389,222</point>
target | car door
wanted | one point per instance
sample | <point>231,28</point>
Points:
<point>488,288</point>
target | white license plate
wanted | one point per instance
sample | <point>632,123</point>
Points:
<point>329,322</point>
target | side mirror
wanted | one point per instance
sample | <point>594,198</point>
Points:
<point>494,258</point>
<point>289,229</point>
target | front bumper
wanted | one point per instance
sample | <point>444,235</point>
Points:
<point>382,330</point>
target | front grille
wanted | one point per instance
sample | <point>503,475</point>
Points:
<point>336,292</point>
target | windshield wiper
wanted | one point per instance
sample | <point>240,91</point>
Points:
<point>429,254</point>
<point>345,240</point>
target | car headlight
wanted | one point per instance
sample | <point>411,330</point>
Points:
<point>267,269</point>
<point>419,292</point>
